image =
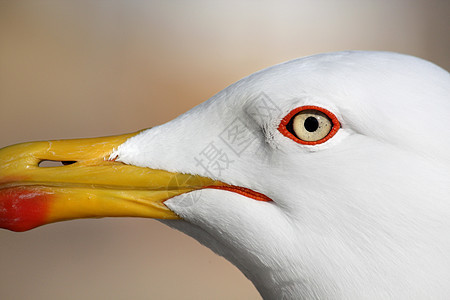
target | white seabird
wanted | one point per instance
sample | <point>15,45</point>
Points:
<point>326,177</point>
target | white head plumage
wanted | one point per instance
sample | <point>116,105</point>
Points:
<point>364,214</point>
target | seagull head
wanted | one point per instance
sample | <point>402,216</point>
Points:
<point>322,177</point>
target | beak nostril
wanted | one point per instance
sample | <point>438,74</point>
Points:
<point>55,163</point>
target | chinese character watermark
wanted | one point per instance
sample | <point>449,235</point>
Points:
<point>237,136</point>
<point>263,108</point>
<point>213,160</point>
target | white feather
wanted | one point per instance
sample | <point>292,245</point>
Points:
<point>364,215</point>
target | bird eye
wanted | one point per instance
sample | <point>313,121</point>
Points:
<point>309,125</point>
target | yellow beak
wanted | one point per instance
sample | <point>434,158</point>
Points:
<point>86,185</point>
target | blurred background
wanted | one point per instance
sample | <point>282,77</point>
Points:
<point>92,68</point>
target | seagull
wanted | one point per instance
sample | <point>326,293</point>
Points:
<point>325,177</point>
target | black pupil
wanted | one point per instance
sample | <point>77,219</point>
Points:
<point>311,124</point>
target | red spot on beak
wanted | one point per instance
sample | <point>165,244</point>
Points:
<point>23,208</point>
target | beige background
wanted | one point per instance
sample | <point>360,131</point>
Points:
<point>90,68</point>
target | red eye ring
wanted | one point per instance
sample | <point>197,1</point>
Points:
<point>284,131</point>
